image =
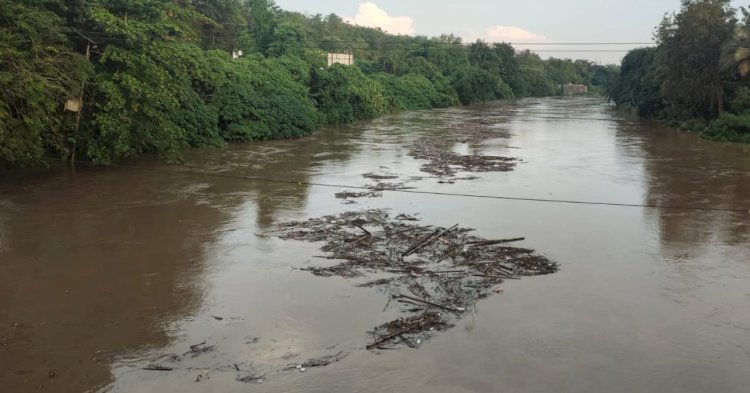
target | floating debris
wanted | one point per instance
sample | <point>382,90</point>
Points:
<point>476,132</point>
<point>433,273</point>
<point>353,195</point>
<point>402,328</point>
<point>199,349</point>
<point>318,362</point>
<point>157,368</point>
<point>252,340</point>
<point>375,176</point>
<point>375,189</point>
<point>321,361</point>
<point>445,163</point>
<point>453,180</point>
<point>250,377</point>
<point>385,186</point>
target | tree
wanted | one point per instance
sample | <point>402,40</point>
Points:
<point>39,70</point>
<point>228,28</point>
<point>638,85</point>
<point>344,94</point>
<point>264,15</point>
<point>536,81</point>
<point>475,84</point>
<point>289,36</point>
<point>691,43</point>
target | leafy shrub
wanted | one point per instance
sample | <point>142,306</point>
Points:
<point>262,100</point>
<point>729,127</point>
<point>475,84</point>
<point>410,92</point>
<point>344,94</point>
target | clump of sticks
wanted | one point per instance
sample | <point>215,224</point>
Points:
<point>433,274</point>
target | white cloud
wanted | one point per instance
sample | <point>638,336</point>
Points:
<point>505,34</point>
<point>512,34</point>
<point>370,15</point>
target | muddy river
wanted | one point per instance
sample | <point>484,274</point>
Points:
<point>109,270</point>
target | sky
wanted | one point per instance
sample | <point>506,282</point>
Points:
<point>540,22</point>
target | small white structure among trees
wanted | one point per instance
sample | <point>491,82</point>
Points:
<point>340,58</point>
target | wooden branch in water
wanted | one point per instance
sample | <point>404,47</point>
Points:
<point>493,242</point>
<point>363,229</point>
<point>451,309</point>
<point>451,252</point>
<point>157,368</point>
<point>504,269</point>
<point>407,230</point>
<point>194,347</point>
<point>361,238</point>
<point>422,240</point>
<point>406,329</point>
<point>434,236</point>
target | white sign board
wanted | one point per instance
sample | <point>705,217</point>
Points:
<point>340,58</point>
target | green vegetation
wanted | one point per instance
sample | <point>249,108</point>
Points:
<point>158,76</point>
<point>696,76</point>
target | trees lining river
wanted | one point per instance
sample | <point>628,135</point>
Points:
<point>156,76</point>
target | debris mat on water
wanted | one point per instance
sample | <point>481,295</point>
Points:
<point>352,194</point>
<point>376,189</point>
<point>194,360</point>
<point>319,362</point>
<point>445,163</point>
<point>476,132</point>
<point>432,274</point>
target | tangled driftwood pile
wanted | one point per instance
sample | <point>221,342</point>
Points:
<point>432,274</point>
<point>445,163</point>
<point>475,132</point>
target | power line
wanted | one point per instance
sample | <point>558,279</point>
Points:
<point>438,46</point>
<point>462,48</point>
<point>418,192</point>
<point>417,43</point>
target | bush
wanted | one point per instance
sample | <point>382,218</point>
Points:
<point>344,94</point>
<point>38,72</point>
<point>729,127</point>
<point>741,101</point>
<point>261,99</point>
<point>475,84</point>
<point>410,92</point>
<point>139,106</point>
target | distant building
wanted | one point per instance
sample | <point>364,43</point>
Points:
<point>571,89</point>
<point>340,58</point>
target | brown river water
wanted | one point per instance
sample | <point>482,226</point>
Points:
<point>105,270</point>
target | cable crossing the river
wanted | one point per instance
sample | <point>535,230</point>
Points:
<point>417,192</point>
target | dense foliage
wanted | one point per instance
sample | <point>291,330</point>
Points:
<point>696,76</point>
<point>638,86</point>
<point>39,68</point>
<point>162,75</point>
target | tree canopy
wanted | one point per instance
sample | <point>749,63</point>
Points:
<point>163,75</point>
<point>696,75</point>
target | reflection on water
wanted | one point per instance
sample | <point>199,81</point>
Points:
<point>686,171</point>
<point>106,270</point>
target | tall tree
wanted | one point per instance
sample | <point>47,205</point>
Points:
<point>264,15</point>
<point>691,44</point>
<point>638,85</point>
